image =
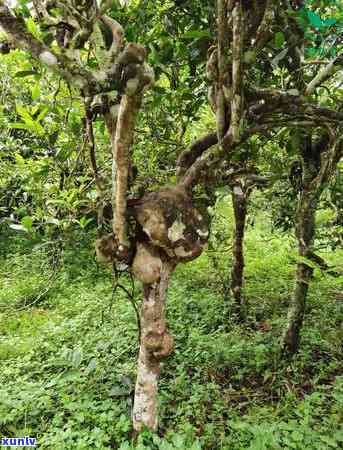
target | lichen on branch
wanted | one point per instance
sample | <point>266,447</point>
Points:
<point>128,110</point>
<point>237,70</point>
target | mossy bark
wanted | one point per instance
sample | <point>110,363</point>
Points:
<point>237,70</point>
<point>319,163</point>
<point>305,231</point>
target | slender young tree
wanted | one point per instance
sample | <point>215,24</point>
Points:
<point>319,161</point>
<point>240,195</point>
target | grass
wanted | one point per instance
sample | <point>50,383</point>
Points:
<point>68,360</point>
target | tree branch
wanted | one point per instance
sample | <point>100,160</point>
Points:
<point>71,71</point>
<point>196,149</point>
<point>213,157</point>
<point>294,106</point>
<point>128,110</point>
<point>97,177</point>
<point>324,74</point>
<point>238,28</point>
<point>117,44</point>
<point>90,82</point>
<point>223,81</point>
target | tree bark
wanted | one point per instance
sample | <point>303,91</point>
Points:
<point>316,172</point>
<point>155,344</point>
<point>223,82</point>
<point>305,231</point>
<point>128,110</point>
<point>238,29</point>
<point>193,152</point>
<point>239,201</point>
<point>94,165</point>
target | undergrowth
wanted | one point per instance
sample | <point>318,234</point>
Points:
<point>68,357</point>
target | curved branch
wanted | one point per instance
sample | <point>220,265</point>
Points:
<point>117,38</point>
<point>213,157</point>
<point>90,82</point>
<point>196,149</point>
<point>60,63</point>
<point>325,73</point>
<point>294,106</point>
<point>97,178</point>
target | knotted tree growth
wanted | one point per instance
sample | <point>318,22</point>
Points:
<point>157,231</point>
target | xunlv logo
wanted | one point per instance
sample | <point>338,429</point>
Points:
<point>18,442</point>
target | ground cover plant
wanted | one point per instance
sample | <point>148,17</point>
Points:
<point>226,386</point>
<point>171,193</point>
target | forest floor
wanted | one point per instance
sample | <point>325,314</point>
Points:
<point>68,352</point>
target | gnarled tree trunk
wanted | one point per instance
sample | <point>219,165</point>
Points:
<point>173,232</point>
<point>155,344</point>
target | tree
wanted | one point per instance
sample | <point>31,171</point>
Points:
<point>155,232</point>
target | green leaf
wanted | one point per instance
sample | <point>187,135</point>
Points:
<point>314,19</point>
<point>32,27</point>
<point>279,39</point>
<point>35,92</point>
<point>312,52</point>
<point>37,128</point>
<point>17,227</point>
<point>34,110</point>
<point>29,125</point>
<point>77,357</point>
<point>52,221</point>
<point>20,126</point>
<point>196,34</point>
<point>84,221</point>
<point>70,375</point>
<point>23,112</point>
<point>25,73</point>
<point>329,22</point>
<point>27,222</point>
<point>42,114</point>
<point>91,365</point>
<point>20,161</point>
